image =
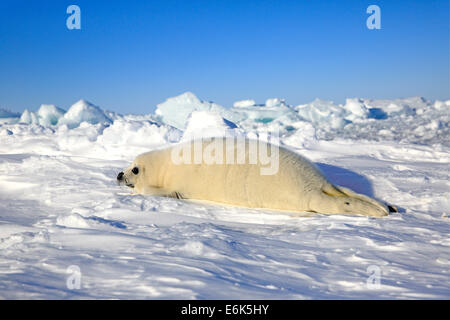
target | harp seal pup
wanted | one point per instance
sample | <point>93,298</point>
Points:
<point>296,185</point>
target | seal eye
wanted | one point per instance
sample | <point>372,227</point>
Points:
<point>135,170</point>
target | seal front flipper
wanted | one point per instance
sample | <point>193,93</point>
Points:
<point>162,192</point>
<point>177,195</point>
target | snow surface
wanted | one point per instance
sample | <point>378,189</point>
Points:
<point>60,206</point>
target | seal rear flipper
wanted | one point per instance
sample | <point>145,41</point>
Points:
<point>363,197</point>
<point>333,191</point>
<point>392,208</point>
<point>348,192</point>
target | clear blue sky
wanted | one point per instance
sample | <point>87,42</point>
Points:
<point>131,55</point>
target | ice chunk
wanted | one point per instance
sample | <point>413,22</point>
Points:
<point>244,103</point>
<point>392,107</point>
<point>323,112</point>
<point>356,109</point>
<point>326,114</point>
<point>29,117</point>
<point>442,105</point>
<point>208,124</point>
<point>175,111</point>
<point>411,120</point>
<point>131,133</point>
<point>407,106</point>
<point>302,135</point>
<point>275,102</point>
<point>272,109</point>
<point>48,115</point>
<point>83,111</point>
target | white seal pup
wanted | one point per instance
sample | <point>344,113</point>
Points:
<point>226,170</point>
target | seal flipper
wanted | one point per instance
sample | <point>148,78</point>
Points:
<point>162,192</point>
<point>363,197</point>
<point>333,191</point>
<point>392,208</point>
<point>177,195</point>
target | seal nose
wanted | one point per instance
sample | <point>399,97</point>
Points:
<point>120,176</point>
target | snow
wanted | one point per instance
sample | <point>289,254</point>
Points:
<point>60,206</point>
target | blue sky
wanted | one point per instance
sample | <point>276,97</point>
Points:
<point>131,55</point>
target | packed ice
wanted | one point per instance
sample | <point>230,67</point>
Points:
<point>413,120</point>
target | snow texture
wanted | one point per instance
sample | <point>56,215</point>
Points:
<point>62,212</point>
